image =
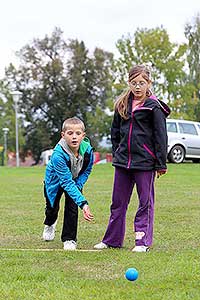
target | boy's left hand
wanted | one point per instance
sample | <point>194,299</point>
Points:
<point>87,214</point>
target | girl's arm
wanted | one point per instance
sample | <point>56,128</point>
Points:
<point>160,137</point>
<point>115,132</point>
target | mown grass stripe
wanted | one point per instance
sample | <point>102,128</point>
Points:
<point>48,250</point>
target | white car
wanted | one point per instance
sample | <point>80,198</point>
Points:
<point>183,140</point>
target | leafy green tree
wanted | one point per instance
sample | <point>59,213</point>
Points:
<point>192,33</point>
<point>168,65</point>
<point>58,80</point>
<point>7,119</point>
<point>91,78</point>
<point>100,120</point>
<point>166,59</point>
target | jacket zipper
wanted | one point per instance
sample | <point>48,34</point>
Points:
<point>129,141</point>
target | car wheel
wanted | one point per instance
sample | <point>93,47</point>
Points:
<point>177,154</point>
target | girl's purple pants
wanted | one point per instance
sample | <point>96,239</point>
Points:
<point>124,182</point>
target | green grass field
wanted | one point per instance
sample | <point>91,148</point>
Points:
<point>170,271</point>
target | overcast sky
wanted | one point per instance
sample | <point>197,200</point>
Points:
<point>97,22</point>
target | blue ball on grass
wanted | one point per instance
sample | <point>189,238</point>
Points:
<point>131,274</point>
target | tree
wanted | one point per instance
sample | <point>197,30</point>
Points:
<point>192,33</point>
<point>7,118</point>
<point>168,65</point>
<point>166,59</point>
<point>91,81</point>
<point>58,80</point>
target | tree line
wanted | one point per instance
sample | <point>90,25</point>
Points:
<point>61,78</point>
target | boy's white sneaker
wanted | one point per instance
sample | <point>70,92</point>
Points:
<point>100,246</point>
<point>70,245</point>
<point>49,232</point>
<point>140,249</point>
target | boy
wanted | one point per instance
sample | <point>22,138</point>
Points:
<point>67,171</point>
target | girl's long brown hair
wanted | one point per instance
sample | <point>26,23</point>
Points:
<point>121,104</point>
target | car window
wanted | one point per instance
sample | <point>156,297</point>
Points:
<point>199,126</point>
<point>187,128</point>
<point>171,127</point>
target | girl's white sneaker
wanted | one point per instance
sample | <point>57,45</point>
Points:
<point>140,249</point>
<point>100,246</point>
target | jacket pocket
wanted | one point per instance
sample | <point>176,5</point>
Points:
<point>149,151</point>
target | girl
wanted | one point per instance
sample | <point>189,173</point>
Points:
<point>139,142</point>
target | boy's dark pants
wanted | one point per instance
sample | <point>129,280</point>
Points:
<point>70,221</point>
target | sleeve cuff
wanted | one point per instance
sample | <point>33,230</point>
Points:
<point>83,203</point>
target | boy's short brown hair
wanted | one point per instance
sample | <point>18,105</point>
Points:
<point>73,121</point>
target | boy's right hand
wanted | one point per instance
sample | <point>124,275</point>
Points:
<point>87,214</point>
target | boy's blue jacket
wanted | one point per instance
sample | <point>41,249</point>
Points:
<point>58,174</point>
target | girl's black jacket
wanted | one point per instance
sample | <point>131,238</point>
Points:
<point>140,142</point>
